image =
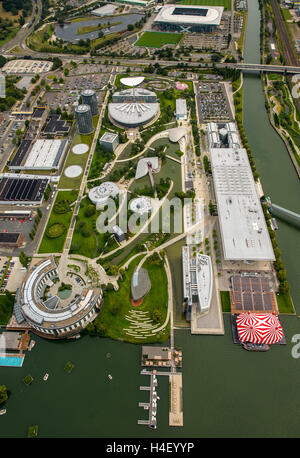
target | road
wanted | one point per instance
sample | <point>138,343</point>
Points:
<point>23,33</point>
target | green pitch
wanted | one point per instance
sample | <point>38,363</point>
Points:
<point>158,39</point>
<point>225,3</point>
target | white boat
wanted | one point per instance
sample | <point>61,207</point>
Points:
<point>32,344</point>
<point>2,412</point>
<point>110,377</point>
<point>45,377</point>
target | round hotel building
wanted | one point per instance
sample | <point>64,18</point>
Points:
<point>46,317</point>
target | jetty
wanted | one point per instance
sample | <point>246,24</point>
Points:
<point>150,406</point>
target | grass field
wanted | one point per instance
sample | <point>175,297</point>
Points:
<point>77,159</point>
<point>6,308</point>
<point>114,321</point>
<point>225,3</point>
<point>225,301</point>
<point>158,39</point>
<point>285,304</point>
<point>56,245</point>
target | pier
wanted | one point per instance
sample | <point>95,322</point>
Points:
<point>150,406</point>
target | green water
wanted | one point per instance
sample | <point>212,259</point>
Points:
<point>227,392</point>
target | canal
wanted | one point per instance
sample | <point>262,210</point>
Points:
<point>227,392</point>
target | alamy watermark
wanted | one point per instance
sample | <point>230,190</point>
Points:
<point>174,215</point>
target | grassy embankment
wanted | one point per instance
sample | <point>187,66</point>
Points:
<point>56,244</point>
<point>117,304</point>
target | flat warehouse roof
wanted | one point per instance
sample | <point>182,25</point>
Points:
<point>45,154</point>
<point>244,231</point>
<point>9,237</point>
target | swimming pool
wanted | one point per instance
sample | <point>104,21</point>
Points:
<point>12,361</point>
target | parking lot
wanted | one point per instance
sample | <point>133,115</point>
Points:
<point>14,277</point>
<point>68,94</point>
<point>213,103</point>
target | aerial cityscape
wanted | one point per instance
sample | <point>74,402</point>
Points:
<point>149,219</point>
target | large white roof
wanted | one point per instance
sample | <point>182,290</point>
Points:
<point>45,154</point>
<point>243,228</point>
<point>100,194</point>
<point>212,17</point>
<point>132,82</point>
<point>133,113</point>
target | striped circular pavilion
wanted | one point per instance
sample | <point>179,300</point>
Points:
<point>259,328</point>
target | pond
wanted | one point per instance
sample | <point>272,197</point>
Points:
<point>69,32</point>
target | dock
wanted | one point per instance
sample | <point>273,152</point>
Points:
<point>150,406</point>
<point>176,406</point>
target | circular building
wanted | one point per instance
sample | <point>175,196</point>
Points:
<point>89,98</point>
<point>101,194</point>
<point>46,317</point>
<point>84,118</point>
<point>133,107</point>
<point>133,81</point>
<point>141,205</point>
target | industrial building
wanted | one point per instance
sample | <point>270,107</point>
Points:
<point>181,110</point>
<point>42,155</point>
<point>109,141</point>
<point>133,107</point>
<point>46,317</point>
<point>55,126</point>
<point>89,98</point>
<point>27,190</point>
<point>244,232</point>
<point>222,135</point>
<point>84,118</point>
<point>100,194</point>
<point>106,10</point>
<point>186,18</point>
<point>11,239</point>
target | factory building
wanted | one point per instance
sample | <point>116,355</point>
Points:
<point>84,118</point>
<point>244,232</point>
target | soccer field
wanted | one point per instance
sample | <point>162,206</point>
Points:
<point>158,39</point>
<point>225,3</point>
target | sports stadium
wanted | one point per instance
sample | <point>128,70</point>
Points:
<point>186,18</point>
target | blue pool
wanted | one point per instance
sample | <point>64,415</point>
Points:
<point>13,361</point>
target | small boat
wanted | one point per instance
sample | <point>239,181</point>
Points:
<point>2,412</point>
<point>110,377</point>
<point>32,344</point>
<point>255,347</point>
<point>45,377</point>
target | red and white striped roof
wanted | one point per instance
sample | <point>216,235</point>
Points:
<point>259,328</point>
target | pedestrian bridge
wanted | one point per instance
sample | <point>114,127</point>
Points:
<point>284,214</point>
<point>265,68</point>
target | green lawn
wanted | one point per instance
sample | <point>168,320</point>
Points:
<point>225,3</point>
<point>92,244</point>
<point>6,308</point>
<point>285,304</point>
<point>225,300</point>
<point>158,39</point>
<point>56,245</point>
<point>77,159</point>
<point>117,304</point>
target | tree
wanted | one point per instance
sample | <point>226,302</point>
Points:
<point>130,27</point>
<point>3,394</point>
<point>157,316</point>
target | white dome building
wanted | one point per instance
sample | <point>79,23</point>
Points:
<point>101,194</point>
